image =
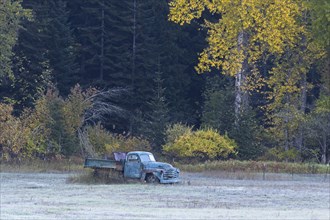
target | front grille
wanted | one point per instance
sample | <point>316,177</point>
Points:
<point>170,174</point>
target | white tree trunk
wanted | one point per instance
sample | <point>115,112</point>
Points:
<point>241,96</point>
<point>324,149</point>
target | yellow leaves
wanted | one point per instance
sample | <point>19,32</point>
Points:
<point>183,11</point>
<point>268,25</point>
<point>19,135</point>
<point>202,144</point>
<point>75,107</point>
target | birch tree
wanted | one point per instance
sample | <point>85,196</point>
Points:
<point>240,32</point>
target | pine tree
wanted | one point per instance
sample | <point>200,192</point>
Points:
<point>61,48</point>
<point>218,104</point>
<point>31,67</point>
<point>136,34</point>
<point>157,117</point>
<point>45,52</point>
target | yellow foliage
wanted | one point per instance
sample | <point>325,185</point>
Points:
<point>75,106</point>
<point>201,144</point>
<point>21,136</point>
<point>268,25</point>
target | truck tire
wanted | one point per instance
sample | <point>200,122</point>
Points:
<point>150,178</point>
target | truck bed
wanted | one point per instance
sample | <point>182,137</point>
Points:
<point>102,164</point>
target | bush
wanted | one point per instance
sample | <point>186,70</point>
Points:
<point>174,131</point>
<point>201,145</point>
<point>21,137</point>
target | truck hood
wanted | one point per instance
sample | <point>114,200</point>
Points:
<point>157,165</point>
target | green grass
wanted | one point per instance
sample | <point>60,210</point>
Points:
<point>256,166</point>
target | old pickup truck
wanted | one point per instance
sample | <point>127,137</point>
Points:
<point>137,165</point>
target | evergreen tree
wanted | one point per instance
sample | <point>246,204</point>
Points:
<point>45,52</point>
<point>218,113</point>
<point>61,48</point>
<point>157,117</point>
<point>11,13</point>
<point>218,104</point>
<point>31,67</point>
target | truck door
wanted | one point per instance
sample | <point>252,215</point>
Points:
<point>133,166</point>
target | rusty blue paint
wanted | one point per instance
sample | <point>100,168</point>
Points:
<point>140,165</point>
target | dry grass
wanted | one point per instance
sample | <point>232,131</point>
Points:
<point>35,165</point>
<point>256,167</point>
<point>102,177</point>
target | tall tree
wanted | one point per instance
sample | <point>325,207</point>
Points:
<point>60,44</point>
<point>157,117</point>
<point>11,13</point>
<point>30,66</point>
<point>289,87</point>
<point>241,32</point>
<point>44,52</point>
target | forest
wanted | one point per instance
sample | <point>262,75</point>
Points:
<point>190,80</point>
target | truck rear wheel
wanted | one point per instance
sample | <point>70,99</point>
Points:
<point>150,178</point>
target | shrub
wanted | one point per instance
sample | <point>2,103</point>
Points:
<point>175,131</point>
<point>22,136</point>
<point>201,145</point>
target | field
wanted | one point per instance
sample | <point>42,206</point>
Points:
<point>207,195</point>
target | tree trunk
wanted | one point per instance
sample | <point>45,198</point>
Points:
<point>133,61</point>
<point>102,44</point>
<point>303,100</point>
<point>241,96</point>
<point>324,149</point>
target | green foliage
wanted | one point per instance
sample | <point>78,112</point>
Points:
<point>219,104</point>
<point>156,119</point>
<point>53,18</point>
<point>10,17</point>
<point>317,126</point>
<point>250,137</point>
<point>281,155</point>
<point>218,113</point>
<point>201,145</point>
<point>320,20</point>
<point>323,105</point>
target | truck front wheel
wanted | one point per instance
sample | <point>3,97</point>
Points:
<point>150,178</point>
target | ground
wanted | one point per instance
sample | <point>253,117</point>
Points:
<point>200,196</point>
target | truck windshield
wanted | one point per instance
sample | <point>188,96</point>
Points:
<point>147,158</point>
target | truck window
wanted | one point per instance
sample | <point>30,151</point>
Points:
<point>133,158</point>
<point>147,158</point>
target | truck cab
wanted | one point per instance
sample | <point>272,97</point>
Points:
<point>142,165</point>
